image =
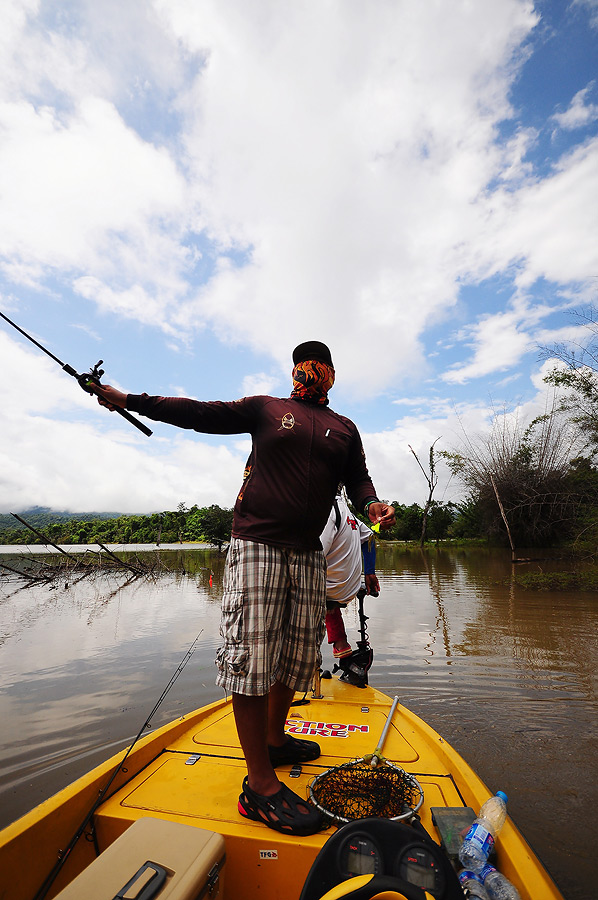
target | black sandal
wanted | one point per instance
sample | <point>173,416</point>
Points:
<point>293,751</point>
<point>281,811</point>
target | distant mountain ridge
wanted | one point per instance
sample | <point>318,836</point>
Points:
<point>40,516</point>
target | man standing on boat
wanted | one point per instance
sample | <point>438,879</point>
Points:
<point>274,600</point>
<point>346,541</point>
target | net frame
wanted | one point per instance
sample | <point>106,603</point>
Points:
<point>371,766</point>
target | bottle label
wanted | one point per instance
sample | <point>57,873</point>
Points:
<point>481,838</point>
<point>466,875</point>
<point>486,871</point>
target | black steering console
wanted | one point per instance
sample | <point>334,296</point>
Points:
<point>393,853</point>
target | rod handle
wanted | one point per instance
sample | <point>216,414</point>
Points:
<point>127,415</point>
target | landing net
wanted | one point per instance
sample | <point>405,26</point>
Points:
<point>355,790</point>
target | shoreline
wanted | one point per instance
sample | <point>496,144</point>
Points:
<point>48,550</point>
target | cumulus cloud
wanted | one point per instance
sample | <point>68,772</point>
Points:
<point>69,188</point>
<point>500,340</point>
<point>580,112</point>
<point>396,473</point>
<point>499,344</point>
<point>350,187</point>
<point>354,186</point>
<point>277,172</point>
<point>260,383</point>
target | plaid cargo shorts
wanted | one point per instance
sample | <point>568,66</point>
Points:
<point>272,623</point>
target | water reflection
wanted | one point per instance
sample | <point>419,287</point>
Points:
<point>507,676</point>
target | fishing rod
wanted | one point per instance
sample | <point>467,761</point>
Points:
<point>85,380</point>
<point>64,854</point>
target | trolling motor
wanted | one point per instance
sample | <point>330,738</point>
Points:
<point>355,667</point>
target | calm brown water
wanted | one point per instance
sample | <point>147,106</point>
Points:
<point>507,676</point>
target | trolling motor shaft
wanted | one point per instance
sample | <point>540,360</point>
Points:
<point>355,667</point>
<point>86,380</point>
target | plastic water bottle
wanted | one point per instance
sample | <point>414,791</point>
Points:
<point>471,883</point>
<point>479,840</point>
<point>497,886</point>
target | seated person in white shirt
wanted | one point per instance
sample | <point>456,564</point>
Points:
<point>345,541</point>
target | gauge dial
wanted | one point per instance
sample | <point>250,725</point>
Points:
<point>359,855</point>
<point>418,865</point>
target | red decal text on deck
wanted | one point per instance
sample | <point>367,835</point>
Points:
<point>323,729</point>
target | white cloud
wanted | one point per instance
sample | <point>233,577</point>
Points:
<point>33,384</point>
<point>275,173</point>
<point>545,229</point>
<point>499,344</point>
<point>392,465</point>
<point>351,178</point>
<point>69,191</point>
<point>259,383</point>
<point>580,112</point>
<point>499,340</point>
<point>84,469</point>
<point>134,302</point>
<point>357,185</point>
<point>592,7</point>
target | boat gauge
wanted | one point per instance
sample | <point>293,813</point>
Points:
<point>418,864</point>
<point>359,855</point>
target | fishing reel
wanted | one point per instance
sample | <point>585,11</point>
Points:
<point>92,377</point>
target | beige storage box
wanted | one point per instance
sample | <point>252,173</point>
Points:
<point>158,859</point>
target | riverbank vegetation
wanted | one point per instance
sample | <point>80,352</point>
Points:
<point>210,524</point>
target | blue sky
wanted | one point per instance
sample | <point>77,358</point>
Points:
<point>188,189</point>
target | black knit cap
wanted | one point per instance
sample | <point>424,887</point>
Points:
<point>312,350</point>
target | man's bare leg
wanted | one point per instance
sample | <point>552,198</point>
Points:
<point>251,718</point>
<point>260,721</point>
<point>278,710</point>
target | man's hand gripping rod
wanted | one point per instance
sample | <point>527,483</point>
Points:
<point>85,380</point>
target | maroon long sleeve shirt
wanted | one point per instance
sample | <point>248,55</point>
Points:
<point>300,453</point>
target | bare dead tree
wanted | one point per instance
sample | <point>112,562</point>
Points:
<point>432,479</point>
<point>518,474</point>
<point>576,377</point>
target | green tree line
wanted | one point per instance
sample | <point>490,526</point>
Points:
<point>210,524</point>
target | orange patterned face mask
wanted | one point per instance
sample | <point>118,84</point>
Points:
<point>312,380</point>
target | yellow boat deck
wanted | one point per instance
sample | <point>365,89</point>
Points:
<point>204,792</point>
<point>192,770</point>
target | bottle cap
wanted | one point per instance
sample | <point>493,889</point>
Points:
<point>502,795</point>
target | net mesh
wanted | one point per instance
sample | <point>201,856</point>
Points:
<point>356,790</point>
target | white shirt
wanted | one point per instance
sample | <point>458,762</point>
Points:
<point>342,548</point>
